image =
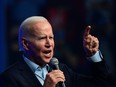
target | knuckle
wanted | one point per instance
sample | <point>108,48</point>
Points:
<point>48,75</point>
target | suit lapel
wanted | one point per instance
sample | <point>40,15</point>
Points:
<point>28,75</point>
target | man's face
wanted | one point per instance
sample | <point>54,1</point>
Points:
<point>41,46</point>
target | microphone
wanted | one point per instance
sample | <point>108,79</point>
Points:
<point>54,61</point>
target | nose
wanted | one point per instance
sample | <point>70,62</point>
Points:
<point>48,43</point>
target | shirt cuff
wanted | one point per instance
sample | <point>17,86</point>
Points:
<point>97,57</point>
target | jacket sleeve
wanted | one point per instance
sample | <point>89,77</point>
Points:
<point>7,81</point>
<point>100,77</point>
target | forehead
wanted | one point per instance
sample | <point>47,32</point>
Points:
<point>42,28</point>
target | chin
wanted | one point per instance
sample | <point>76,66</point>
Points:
<point>47,61</point>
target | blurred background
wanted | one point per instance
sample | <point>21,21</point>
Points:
<point>69,19</point>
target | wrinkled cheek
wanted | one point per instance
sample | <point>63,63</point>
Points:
<point>38,53</point>
<point>52,54</point>
<point>41,54</point>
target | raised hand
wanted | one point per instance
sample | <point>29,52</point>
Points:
<point>90,43</point>
<point>53,78</point>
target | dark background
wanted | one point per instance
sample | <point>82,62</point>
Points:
<point>69,19</point>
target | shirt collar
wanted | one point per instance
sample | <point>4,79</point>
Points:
<point>33,65</point>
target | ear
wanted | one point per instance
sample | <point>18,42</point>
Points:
<point>25,43</point>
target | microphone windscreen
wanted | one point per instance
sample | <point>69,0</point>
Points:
<point>54,61</point>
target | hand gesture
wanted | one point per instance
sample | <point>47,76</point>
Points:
<point>53,78</point>
<point>90,43</point>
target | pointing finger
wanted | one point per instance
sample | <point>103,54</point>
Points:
<point>87,31</point>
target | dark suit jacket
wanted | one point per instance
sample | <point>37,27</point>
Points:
<point>20,75</point>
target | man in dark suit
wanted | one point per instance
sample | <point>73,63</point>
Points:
<point>36,42</point>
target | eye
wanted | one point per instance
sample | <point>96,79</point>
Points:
<point>41,38</point>
<point>51,37</point>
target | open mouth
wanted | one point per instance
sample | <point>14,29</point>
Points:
<point>47,51</point>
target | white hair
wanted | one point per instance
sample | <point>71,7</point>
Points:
<point>33,19</point>
<point>25,25</point>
